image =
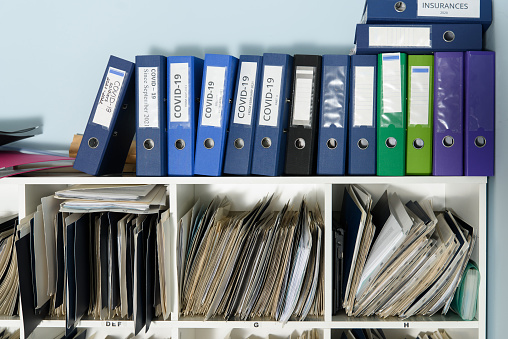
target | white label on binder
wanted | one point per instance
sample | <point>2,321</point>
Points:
<point>419,107</point>
<point>364,96</point>
<point>213,96</point>
<point>245,93</point>
<point>148,97</point>
<point>179,96</point>
<point>449,9</point>
<point>392,83</point>
<point>302,101</point>
<point>270,96</point>
<point>399,37</point>
<point>109,97</point>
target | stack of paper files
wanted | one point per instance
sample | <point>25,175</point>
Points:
<point>107,265</point>
<point>4,334</point>
<point>251,264</point>
<point>363,334</point>
<point>310,334</point>
<point>440,334</point>
<point>409,263</point>
<point>113,198</point>
<point>9,279</point>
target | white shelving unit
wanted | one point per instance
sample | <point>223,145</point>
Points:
<point>465,195</point>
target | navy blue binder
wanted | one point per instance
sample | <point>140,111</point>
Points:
<point>242,122</point>
<point>271,127</point>
<point>111,126</point>
<point>333,115</point>
<point>362,115</point>
<point>151,153</point>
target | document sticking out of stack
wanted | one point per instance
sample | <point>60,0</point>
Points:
<point>399,260</point>
<point>140,199</point>
<point>9,279</point>
<point>251,264</point>
<point>107,264</point>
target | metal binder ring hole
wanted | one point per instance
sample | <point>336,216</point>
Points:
<point>93,142</point>
<point>331,143</point>
<point>179,144</point>
<point>239,143</point>
<point>124,106</point>
<point>418,143</point>
<point>363,143</point>
<point>209,143</point>
<point>448,36</point>
<point>300,143</point>
<point>148,144</point>
<point>266,142</point>
<point>400,6</point>
<point>480,141</point>
<point>448,141</point>
<point>391,142</point>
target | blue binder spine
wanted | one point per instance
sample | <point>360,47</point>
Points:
<point>151,143</point>
<point>362,112</point>
<point>219,75</point>
<point>333,116</point>
<point>272,123</point>
<point>184,76</point>
<point>238,157</point>
<point>111,126</point>
<point>429,11</point>
<point>417,39</point>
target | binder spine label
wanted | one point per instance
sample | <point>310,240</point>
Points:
<point>148,97</point>
<point>245,93</point>
<point>109,97</point>
<point>363,96</point>
<point>213,96</point>
<point>334,96</point>
<point>270,96</point>
<point>449,9</point>
<point>392,84</point>
<point>420,84</point>
<point>179,92</point>
<point>400,36</point>
<point>304,93</point>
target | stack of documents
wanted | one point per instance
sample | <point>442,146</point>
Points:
<point>409,263</point>
<point>4,334</point>
<point>104,264</point>
<point>363,334</point>
<point>251,264</point>
<point>310,334</point>
<point>9,280</point>
<point>441,334</point>
<point>142,199</point>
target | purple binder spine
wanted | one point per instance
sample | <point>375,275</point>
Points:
<point>448,114</point>
<point>479,78</point>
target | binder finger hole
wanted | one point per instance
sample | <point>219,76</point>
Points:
<point>180,144</point>
<point>93,142</point>
<point>418,143</point>
<point>331,143</point>
<point>480,141</point>
<point>448,36</point>
<point>266,142</point>
<point>209,143</point>
<point>391,142</point>
<point>448,141</point>
<point>363,143</point>
<point>239,143</point>
<point>400,6</point>
<point>148,144</point>
<point>300,143</point>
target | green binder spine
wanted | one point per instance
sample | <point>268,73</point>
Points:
<point>391,118</point>
<point>420,108</point>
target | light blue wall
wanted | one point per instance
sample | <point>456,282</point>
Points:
<point>53,55</point>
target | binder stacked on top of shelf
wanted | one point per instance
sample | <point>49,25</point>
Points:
<point>445,134</point>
